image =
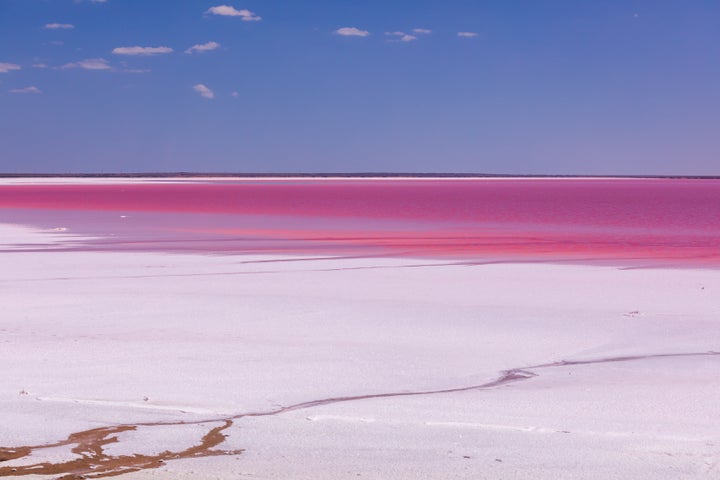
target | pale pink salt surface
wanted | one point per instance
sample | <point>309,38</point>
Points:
<point>88,336</point>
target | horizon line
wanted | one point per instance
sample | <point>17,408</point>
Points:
<point>183,174</point>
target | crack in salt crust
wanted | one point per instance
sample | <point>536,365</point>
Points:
<point>94,462</point>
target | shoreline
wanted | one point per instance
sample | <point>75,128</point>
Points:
<point>28,238</point>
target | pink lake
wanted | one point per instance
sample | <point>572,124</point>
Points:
<point>636,222</point>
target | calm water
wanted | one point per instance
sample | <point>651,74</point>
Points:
<point>634,221</point>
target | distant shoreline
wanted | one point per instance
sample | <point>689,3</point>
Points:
<point>337,175</point>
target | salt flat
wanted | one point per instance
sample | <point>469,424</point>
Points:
<point>147,340</point>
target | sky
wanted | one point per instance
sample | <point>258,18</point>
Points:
<point>483,86</point>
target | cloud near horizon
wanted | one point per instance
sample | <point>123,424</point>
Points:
<point>145,51</point>
<point>90,64</point>
<point>351,32</point>
<point>31,89</point>
<point>422,31</point>
<point>204,91</point>
<point>7,67</point>
<point>228,11</point>
<point>203,47</point>
<point>467,34</point>
<point>58,26</point>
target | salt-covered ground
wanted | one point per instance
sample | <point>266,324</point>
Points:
<point>240,348</point>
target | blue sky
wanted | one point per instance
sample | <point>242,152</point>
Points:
<point>504,86</point>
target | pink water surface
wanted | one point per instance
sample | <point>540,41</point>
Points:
<point>640,221</point>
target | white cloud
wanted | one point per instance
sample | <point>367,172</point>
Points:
<point>146,51</point>
<point>59,26</point>
<point>204,91</point>
<point>404,37</point>
<point>467,34</point>
<point>7,67</point>
<point>228,11</point>
<point>203,47</point>
<point>352,32</point>
<point>39,65</point>
<point>90,64</point>
<point>422,31</point>
<point>26,90</point>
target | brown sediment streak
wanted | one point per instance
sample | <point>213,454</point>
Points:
<point>93,462</point>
